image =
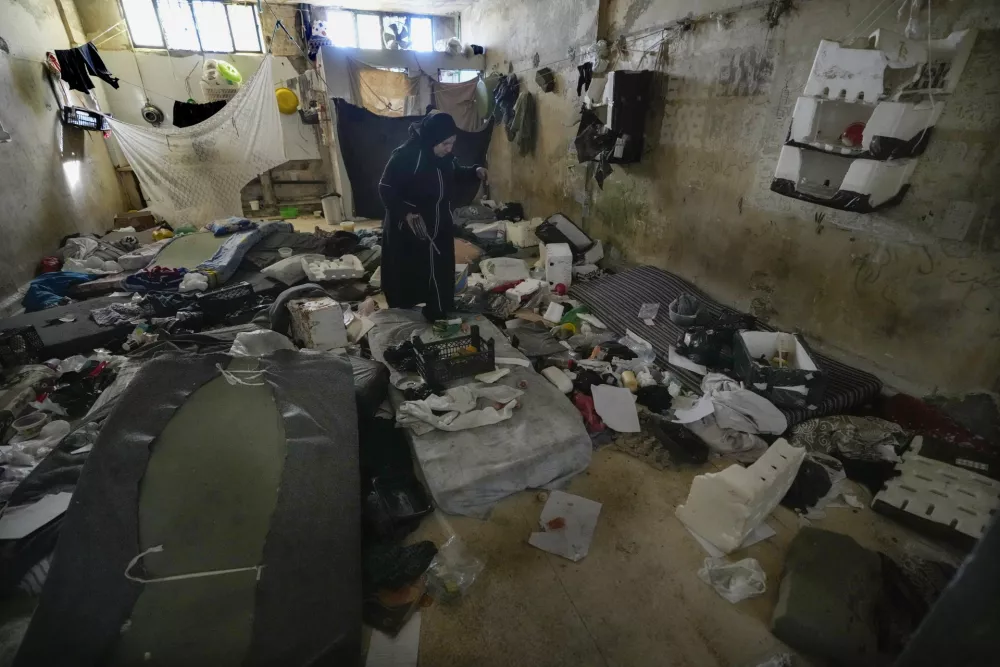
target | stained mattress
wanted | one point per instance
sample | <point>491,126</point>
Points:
<point>616,299</point>
<point>467,472</point>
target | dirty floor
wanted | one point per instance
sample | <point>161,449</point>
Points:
<point>635,600</point>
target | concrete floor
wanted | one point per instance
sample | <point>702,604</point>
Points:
<point>635,600</point>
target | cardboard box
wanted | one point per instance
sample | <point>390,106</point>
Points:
<point>141,220</point>
<point>799,385</point>
<point>318,323</point>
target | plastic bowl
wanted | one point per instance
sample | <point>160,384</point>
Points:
<point>284,252</point>
<point>29,426</point>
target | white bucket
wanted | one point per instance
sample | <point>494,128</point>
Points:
<point>254,204</point>
<point>331,209</point>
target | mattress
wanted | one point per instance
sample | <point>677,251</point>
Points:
<point>467,472</point>
<point>616,299</point>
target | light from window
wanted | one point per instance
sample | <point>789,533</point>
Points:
<point>340,29</point>
<point>211,17</point>
<point>178,25</point>
<point>193,25</point>
<point>421,34</point>
<point>369,31</point>
<point>457,75</point>
<point>142,23</point>
<point>243,23</point>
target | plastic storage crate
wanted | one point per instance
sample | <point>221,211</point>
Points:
<point>442,361</point>
<point>19,346</point>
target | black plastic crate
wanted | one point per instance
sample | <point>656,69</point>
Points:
<point>85,119</point>
<point>221,303</point>
<point>442,361</point>
<point>19,346</point>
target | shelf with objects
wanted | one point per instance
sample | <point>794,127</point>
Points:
<point>865,117</point>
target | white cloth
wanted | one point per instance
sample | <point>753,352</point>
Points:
<point>737,416</point>
<point>459,405</point>
<point>193,175</point>
<point>141,257</point>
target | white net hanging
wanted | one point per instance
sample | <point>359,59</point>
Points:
<point>193,175</point>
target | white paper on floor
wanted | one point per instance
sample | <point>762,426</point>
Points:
<point>399,651</point>
<point>21,521</point>
<point>568,524</point>
<point>758,534</point>
<point>616,406</point>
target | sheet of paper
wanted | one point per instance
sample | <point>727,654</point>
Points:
<point>616,406</point>
<point>680,361</point>
<point>701,409</point>
<point>568,524</point>
<point>758,534</point>
<point>399,651</point>
<point>22,521</point>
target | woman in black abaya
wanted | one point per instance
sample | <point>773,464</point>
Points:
<point>418,241</point>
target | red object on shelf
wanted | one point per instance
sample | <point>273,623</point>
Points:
<point>51,264</point>
<point>853,135</point>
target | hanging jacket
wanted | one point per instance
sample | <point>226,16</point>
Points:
<point>417,270</point>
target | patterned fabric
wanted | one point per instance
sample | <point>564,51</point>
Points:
<point>859,438</point>
<point>616,299</point>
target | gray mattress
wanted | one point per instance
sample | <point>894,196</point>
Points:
<point>467,472</point>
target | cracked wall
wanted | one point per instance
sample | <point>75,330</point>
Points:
<point>912,293</point>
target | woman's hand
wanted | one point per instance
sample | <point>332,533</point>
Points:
<point>482,174</point>
<point>417,225</point>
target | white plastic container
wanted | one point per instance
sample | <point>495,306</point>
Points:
<point>559,378</point>
<point>331,209</point>
<point>558,264</point>
<point>318,323</point>
<point>347,267</point>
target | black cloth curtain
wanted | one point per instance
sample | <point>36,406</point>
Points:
<point>367,139</point>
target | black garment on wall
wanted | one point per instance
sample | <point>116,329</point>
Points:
<point>187,114</point>
<point>79,64</point>
<point>367,140</point>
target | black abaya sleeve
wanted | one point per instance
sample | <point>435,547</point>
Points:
<point>465,174</point>
<point>390,187</point>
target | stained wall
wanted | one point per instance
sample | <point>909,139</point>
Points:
<point>912,294</point>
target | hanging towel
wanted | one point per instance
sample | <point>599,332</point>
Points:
<point>194,175</point>
<point>459,100</point>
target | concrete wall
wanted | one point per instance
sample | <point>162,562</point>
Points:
<point>912,294</point>
<point>42,196</point>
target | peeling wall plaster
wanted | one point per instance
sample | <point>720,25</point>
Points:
<point>42,196</point>
<point>914,292</point>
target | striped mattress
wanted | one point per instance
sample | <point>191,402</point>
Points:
<point>616,299</point>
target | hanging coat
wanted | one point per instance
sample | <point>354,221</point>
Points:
<point>417,270</point>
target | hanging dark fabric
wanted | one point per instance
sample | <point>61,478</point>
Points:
<point>187,114</point>
<point>79,64</point>
<point>367,140</point>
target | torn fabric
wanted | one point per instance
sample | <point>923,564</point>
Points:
<point>459,405</point>
<point>194,175</point>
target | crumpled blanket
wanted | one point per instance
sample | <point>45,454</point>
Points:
<point>459,405</point>
<point>119,313</point>
<point>141,257</point>
<point>859,438</point>
<point>49,289</point>
<point>157,278</point>
<point>737,416</point>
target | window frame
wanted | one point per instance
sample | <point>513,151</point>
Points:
<point>197,28</point>
<point>355,13</point>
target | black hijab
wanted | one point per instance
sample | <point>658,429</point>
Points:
<point>432,129</point>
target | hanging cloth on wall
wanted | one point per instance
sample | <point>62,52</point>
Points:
<point>366,141</point>
<point>79,64</point>
<point>194,175</point>
<point>384,92</point>
<point>459,100</point>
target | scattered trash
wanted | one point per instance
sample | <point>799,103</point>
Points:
<point>616,407</point>
<point>452,571</point>
<point>759,534</point>
<point>642,348</point>
<point>493,376</point>
<point>568,524</point>
<point>647,313</point>
<point>684,310</point>
<point>734,581</point>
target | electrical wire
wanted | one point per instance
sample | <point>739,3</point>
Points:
<point>855,30</point>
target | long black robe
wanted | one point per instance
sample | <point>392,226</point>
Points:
<point>416,270</point>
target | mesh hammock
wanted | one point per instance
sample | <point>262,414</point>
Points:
<point>194,175</point>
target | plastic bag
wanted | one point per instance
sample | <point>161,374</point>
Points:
<point>642,348</point>
<point>259,343</point>
<point>648,311</point>
<point>452,571</point>
<point>734,581</point>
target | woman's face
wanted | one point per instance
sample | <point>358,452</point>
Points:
<point>445,147</point>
